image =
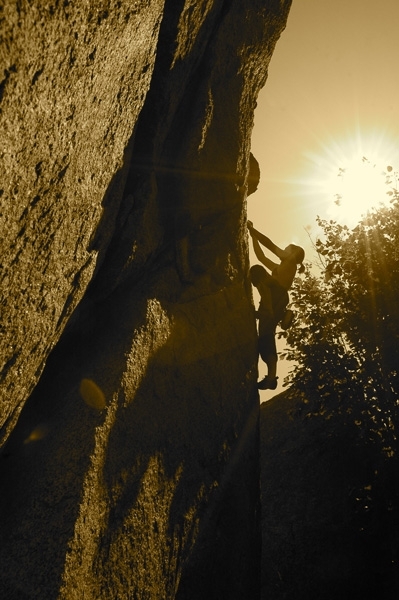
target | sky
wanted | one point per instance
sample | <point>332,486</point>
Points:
<point>331,98</point>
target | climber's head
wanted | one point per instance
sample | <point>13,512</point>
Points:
<point>298,255</point>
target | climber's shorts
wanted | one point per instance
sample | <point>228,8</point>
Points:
<point>280,300</point>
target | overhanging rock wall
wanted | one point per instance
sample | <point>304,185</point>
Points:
<point>125,133</point>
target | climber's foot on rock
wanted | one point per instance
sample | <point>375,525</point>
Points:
<point>267,383</point>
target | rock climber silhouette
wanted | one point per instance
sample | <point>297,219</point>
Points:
<point>273,289</point>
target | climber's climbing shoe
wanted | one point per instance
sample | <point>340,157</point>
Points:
<point>267,383</point>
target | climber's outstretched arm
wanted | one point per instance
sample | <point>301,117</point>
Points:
<point>267,242</point>
<point>269,264</point>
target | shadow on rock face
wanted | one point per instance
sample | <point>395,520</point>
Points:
<point>152,481</point>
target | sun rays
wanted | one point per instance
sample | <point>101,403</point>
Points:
<point>347,176</point>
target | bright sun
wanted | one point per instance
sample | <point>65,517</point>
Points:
<point>358,186</point>
<point>348,178</point>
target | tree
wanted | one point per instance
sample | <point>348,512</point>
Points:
<point>345,344</point>
<point>345,348</point>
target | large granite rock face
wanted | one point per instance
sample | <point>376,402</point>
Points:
<point>74,81</point>
<point>129,409</point>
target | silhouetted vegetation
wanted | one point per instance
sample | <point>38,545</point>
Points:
<point>345,348</point>
<point>346,340</point>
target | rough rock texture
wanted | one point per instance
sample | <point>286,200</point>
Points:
<point>125,138</point>
<point>74,80</point>
<point>330,505</point>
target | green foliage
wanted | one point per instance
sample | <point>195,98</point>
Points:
<point>345,343</point>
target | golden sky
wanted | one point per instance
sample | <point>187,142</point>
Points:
<point>332,87</point>
<point>332,96</point>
